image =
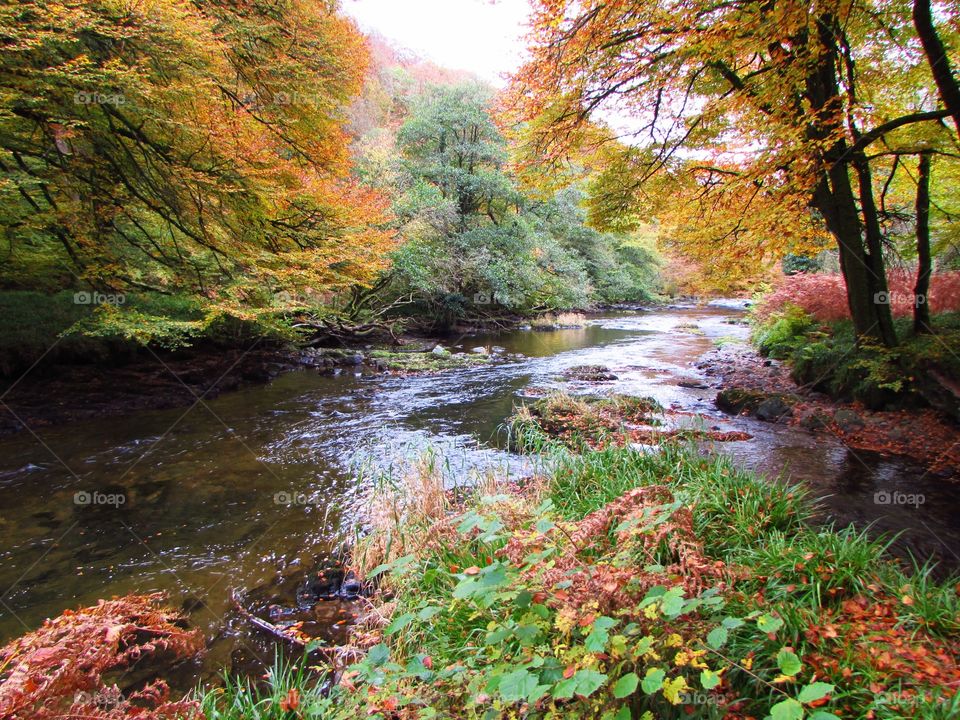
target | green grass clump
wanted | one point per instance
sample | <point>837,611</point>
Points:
<point>425,362</point>
<point>617,583</point>
<point>290,690</point>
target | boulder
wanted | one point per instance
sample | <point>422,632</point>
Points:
<point>848,420</point>
<point>773,409</point>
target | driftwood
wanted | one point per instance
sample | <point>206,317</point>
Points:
<point>338,656</point>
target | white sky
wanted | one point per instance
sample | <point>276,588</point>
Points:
<point>482,36</point>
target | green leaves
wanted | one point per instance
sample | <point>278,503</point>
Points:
<point>489,578</point>
<point>792,709</point>
<point>653,680</point>
<point>626,685</point>
<point>583,683</point>
<point>717,637</point>
<point>597,639</point>
<point>815,691</point>
<point>788,709</point>
<point>769,623</point>
<point>521,685</point>
<point>709,679</point>
<point>788,662</point>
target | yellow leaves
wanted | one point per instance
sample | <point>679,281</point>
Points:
<point>673,640</point>
<point>565,620</point>
<point>673,690</point>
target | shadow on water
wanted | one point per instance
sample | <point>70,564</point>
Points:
<point>253,489</point>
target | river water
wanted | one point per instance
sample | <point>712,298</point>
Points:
<point>253,487</point>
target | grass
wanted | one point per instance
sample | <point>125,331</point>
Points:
<point>553,321</point>
<point>290,690</point>
<point>615,582</point>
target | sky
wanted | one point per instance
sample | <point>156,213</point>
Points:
<point>482,36</point>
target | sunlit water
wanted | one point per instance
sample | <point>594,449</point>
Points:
<point>248,490</point>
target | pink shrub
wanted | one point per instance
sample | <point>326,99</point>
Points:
<point>824,296</point>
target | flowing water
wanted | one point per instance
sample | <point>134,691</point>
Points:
<point>250,489</point>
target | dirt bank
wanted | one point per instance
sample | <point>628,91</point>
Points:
<point>747,379</point>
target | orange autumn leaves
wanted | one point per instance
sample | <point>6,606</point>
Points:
<point>187,147</point>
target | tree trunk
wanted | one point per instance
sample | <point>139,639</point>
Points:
<point>937,58</point>
<point>877,275</point>
<point>834,197</point>
<point>921,308</point>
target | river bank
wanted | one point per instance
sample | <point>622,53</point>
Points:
<point>760,387</point>
<point>621,583</point>
<point>107,382</point>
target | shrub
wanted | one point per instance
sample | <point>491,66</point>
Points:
<point>824,295</point>
<point>57,671</point>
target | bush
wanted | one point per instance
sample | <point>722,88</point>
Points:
<point>824,295</point>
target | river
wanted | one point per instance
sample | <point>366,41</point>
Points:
<point>248,490</point>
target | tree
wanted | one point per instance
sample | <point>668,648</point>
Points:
<point>937,58</point>
<point>766,106</point>
<point>183,147</point>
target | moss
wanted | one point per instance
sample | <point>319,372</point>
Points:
<point>425,362</point>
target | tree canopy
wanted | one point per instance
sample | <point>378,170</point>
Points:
<point>183,147</point>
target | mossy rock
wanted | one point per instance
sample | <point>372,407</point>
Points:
<point>425,362</point>
<point>763,405</point>
<point>589,373</point>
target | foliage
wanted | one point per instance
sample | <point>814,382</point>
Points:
<point>185,148</point>
<point>57,671</point>
<point>617,583</point>
<point>829,358</point>
<point>823,295</point>
<point>475,245</point>
<point>748,130</point>
<point>784,332</point>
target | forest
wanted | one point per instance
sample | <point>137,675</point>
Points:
<point>337,381</point>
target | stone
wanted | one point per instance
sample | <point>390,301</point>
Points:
<point>773,409</point>
<point>440,351</point>
<point>848,420</point>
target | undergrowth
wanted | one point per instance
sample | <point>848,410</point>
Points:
<point>827,357</point>
<point>621,583</point>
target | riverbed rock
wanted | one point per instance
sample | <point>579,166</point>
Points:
<point>736,401</point>
<point>848,420</point>
<point>480,350</point>
<point>440,351</point>
<point>589,373</point>
<point>769,407</point>
<point>773,409</point>
<point>814,419</point>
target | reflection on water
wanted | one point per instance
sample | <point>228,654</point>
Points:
<point>250,489</point>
